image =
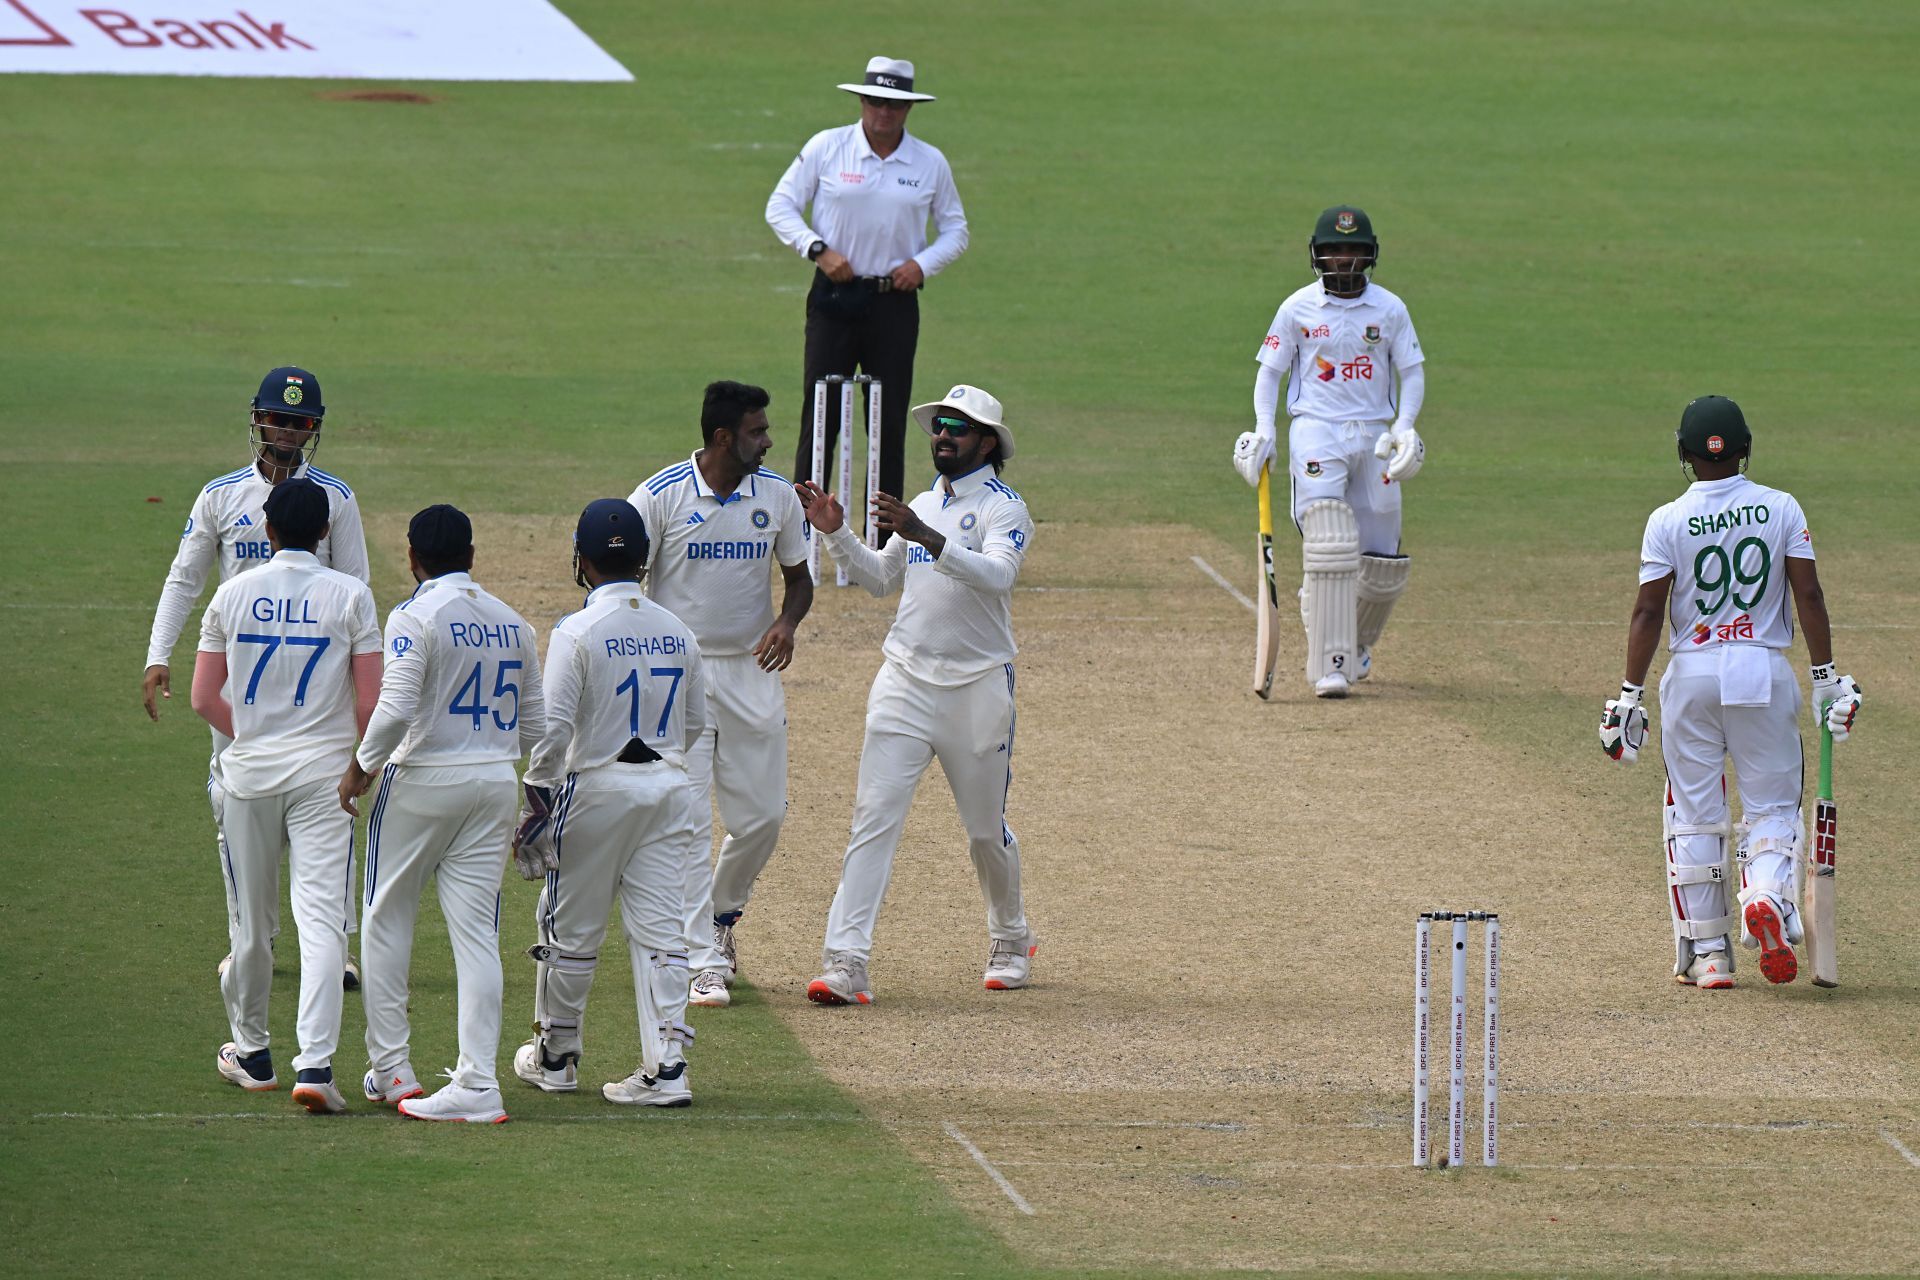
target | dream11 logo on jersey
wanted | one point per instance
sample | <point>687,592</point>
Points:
<point>241,32</point>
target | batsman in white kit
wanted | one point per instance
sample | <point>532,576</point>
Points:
<point>715,521</point>
<point>226,530</point>
<point>945,690</point>
<point>1355,379</point>
<point>460,703</point>
<point>610,815</point>
<point>1718,565</point>
<point>289,669</point>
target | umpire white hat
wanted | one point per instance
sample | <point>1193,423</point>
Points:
<point>888,78</point>
<point>973,404</point>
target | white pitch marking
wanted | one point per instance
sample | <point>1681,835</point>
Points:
<point>979,1158</point>
<point>1887,1137</point>
<point>1226,586</point>
<point>372,1114</point>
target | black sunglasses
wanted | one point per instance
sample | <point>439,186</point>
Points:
<point>958,428</point>
<point>268,418</point>
<point>885,102</point>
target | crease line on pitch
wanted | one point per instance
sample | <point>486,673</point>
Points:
<point>980,1158</point>
<point>1224,585</point>
<point>1886,1136</point>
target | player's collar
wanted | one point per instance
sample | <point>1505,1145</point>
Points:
<point>292,555</point>
<point>1328,300</point>
<point>1710,486</point>
<point>748,484</point>
<point>459,578</point>
<point>967,485</point>
<point>614,590</point>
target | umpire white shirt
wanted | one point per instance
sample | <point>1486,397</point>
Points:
<point>709,555</point>
<point>955,622</point>
<point>1340,355</point>
<point>870,209</point>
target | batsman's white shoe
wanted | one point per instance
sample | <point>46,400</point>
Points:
<point>1332,686</point>
<point>729,950</point>
<point>226,963</point>
<point>1009,962</point>
<point>532,1064</point>
<point>709,989</point>
<point>1710,971</point>
<point>350,976</point>
<point>1364,667</point>
<point>254,1073</point>
<point>391,1086</point>
<point>1778,964</point>
<point>321,1097</point>
<point>843,982</point>
<point>453,1102</point>
<point>640,1090</point>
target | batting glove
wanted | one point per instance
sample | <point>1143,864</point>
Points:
<point>534,851</point>
<point>1252,451</point>
<point>1404,451</point>
<point>1623,724</point>
<point>1836,699</point>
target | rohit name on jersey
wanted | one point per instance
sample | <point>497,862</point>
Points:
<point>477,635</point>
<point>645,646</point>
<point>1732,518</point>
<point>745,549</point>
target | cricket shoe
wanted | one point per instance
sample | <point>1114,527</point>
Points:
<point>456,1102</point>
<point>315,1090</point>
<point>254,1072</point>
<point>1709,970</point>
<point>1009,962</point>
<point>226,963</point>
<point>391,1086</point>
<point>729,950</point>
<point>532,1063</point>
<point>1777,961</point>
<point>844,982</point>
<point>668,1089</point>
<point>350,976</point>
<point>1334,685</point>
<point>709,989</point>
<point>1364,666</point>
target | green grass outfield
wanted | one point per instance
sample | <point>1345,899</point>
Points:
<point>1595,211</point>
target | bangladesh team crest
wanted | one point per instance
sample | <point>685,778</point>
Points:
<point>1313,468</point>
<point>1343,222</point>
<point>1371,333</point>
<point>760,518</point>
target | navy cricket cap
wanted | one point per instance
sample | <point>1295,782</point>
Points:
<point>610,526</point>
<point>298,511</point>
<point>441,533</point>
<point>290,389</point>
<point>1713,427</point>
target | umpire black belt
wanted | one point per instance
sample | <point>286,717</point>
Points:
<point>636,752</point>
<point>873,284</point>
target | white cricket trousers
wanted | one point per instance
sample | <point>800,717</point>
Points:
<point>1334,460</point>
<point>216,798</point>
<point>624,831</point>
<point>458,835</point>
<point>1697,734</point>
<point>741,760</point>
<point>316,834</point>
<point>969,729</point>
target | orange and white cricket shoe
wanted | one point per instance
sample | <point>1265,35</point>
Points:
<point>391,1087</point>
<point>844,981</point>
<point>1710,971</point>
<point>1777,961</point>
<point>1009,962</point>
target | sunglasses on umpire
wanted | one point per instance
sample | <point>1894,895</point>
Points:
<point>958,428</point>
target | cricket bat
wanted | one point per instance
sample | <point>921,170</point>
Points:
<point>1266,648</point>
<point>1822,948</point>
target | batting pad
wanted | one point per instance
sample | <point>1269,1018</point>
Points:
<point>1330,554</point>
<point>1382,579</point>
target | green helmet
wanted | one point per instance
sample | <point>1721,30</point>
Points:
<point>1713,427</point>
<point>1342,227</point>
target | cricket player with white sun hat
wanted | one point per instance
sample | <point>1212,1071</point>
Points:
<point>1355,377</point>
<point>945,690</point>
<point>460,703</point>
<point>1721,564</point>
<point>226,530</point>
<point>715,520</point>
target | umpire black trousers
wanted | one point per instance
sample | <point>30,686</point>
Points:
<point>853,328</point>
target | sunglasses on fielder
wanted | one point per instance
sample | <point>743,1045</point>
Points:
<point>284,421</point>
<point>958,428</point>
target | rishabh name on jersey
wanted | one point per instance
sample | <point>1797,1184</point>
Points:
<point>710,558</point>
<point>620,668</point>
<point>479,657</point>
<point>289,630</point>
<point>1341,355</point>
<point>1726,543</point>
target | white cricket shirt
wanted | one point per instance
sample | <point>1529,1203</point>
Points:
<point>619,669</point>
<point>228,527</point>
<point>1726,543</point>
<point>956,613</point>
<point>871,210</point>
<point>460,685</point>
<point>290,630</point>
<point>1341,355</point>
<point>710,559</point>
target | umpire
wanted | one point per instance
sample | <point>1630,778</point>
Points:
<point>872,187</point>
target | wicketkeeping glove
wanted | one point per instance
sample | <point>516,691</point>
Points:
<point>1408,452</point>
<point>1836,699</point>
<point>1623,724</point>
<point>534,851</point>
<point>1252,451</point>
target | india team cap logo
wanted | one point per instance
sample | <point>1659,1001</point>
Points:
<point>1343,223</point>
<point>957,393</point>
<point>760,518</point>
<point>1715,444</point>
<point>292,395</point>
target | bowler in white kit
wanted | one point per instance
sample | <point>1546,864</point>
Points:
<point>1724,567</point>
<point>1355,379</point>
<point>716,522</point>
<point>945,690</point>
<point>289,669</point>
<point>460,703</point>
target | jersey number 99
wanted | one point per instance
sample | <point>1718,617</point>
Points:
<point>1717,575</point>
